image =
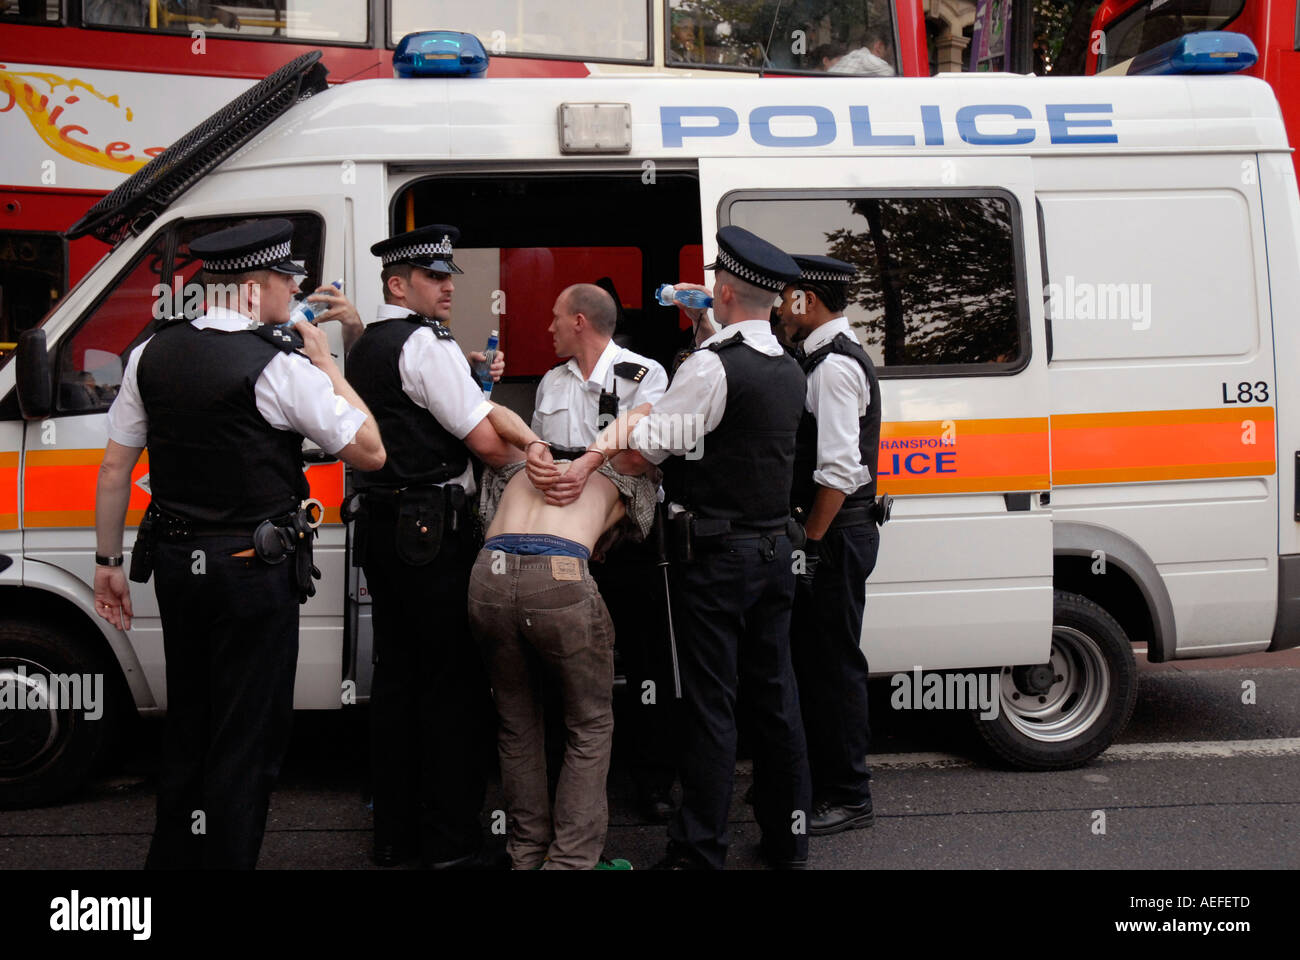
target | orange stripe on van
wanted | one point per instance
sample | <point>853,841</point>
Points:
<point>9,490</point>
<point>963,456</point>
<point>1148,445</point>
<point>59,488</point>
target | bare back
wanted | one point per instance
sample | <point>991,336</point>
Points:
<point>523,509</point>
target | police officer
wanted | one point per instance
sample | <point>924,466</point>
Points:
<point>740,396</point>
<point>834,496</point>
<point>430,710</point>
<point>575,400</point>
<point>223,403</point>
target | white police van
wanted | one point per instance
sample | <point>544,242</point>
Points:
<point>1080,295</point>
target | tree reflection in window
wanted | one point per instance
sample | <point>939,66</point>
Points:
<point>936,283</point>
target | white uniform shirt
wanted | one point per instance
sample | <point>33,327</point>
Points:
<point>568,404</point>
<point>436,376</point>
<point>837,396</point>
<point>697,397</point>
<point>291,394</point>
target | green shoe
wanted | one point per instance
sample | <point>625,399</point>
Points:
<point>605,863</point>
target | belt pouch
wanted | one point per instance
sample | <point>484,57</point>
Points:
<point>419,525</point>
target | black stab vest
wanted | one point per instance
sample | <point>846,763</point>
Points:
<point>420,449</point>
<point>212,456</point>
<point>805,461</point>
<point>746,465</point>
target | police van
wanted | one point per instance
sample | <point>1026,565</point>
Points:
<point>1076,292</point>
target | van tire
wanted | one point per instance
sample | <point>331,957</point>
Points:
<point>1093,688</point>
<point>46,755</point>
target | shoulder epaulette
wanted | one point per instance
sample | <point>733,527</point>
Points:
<point>165,322</point>
<point>631,370</point>
<point>286,341</point>
<point>439,331</point>
<point>732,341</point>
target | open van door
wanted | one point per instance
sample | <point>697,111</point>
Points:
<point>947,305</point>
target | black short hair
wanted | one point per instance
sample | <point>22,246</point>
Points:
<point>834,296</point>
<point>401,269</point>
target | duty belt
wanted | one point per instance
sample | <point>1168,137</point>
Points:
<point>171,528</point>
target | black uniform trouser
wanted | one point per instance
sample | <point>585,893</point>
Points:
<point>830,664</point>
<point>230,636</point>
<point>632,586</point>
<point>732,612</point>
<point>430,710</point>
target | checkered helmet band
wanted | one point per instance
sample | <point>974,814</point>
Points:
<point>824,275</point>
<point>729,263</point>
<point>276,253</point>
<point>440,250</point>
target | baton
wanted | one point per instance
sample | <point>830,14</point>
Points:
<point>662,538</point>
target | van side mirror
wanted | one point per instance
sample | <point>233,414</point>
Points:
<point>32,371</point>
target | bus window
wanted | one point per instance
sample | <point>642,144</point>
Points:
<point>32,278</point>
<point>612,30</point>
<point>823,36</point>
<point>29,11</point>
<point>319,21</point>
<point>915,310</point>
<point>1154,22</point>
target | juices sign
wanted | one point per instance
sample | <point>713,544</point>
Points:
<point>74,119</point>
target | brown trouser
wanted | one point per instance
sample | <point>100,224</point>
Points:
<point>528,622</point>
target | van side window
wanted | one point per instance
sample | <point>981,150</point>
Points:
<point>90,362</point>
<point>937,284</point>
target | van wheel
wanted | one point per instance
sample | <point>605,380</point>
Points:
<point>1061,714</point>
<point>49,749</point>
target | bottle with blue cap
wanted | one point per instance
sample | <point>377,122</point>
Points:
<point>483,368</point>
<point>303,310</point>
<point>692,299</point>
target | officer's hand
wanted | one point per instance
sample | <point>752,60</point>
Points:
<point>226,18</point>
<point>329,303</point>
<point>113,596</point>
<point>694,313</point>
<point>569,487</point>
<point>315,345</point>
<point>812,560</point>
<point>498,366</point>
<point>540,466</point>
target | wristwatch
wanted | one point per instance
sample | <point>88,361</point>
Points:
<point>104,561</point>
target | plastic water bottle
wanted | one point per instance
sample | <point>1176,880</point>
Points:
<point>302,310</point>
<point>483,368</point>
<point>695,299</point>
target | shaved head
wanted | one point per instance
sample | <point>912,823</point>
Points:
<point>593,303</point>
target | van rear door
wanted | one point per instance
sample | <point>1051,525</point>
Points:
<point>948,304</point>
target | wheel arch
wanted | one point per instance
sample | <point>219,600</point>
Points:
<point>1139,588</point>
<point>54,594</point>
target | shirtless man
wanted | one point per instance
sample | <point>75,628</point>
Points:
<point>534,608</point>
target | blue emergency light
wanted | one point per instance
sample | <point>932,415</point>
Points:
<point>440,53</point>
<point>1210,51</point>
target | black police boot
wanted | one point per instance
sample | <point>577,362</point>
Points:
<point>656,805</point>
<point>779,862</point>
<point>677,858</point>
<point>828,818</point>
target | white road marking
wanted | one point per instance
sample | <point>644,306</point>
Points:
<point>1184,750</point>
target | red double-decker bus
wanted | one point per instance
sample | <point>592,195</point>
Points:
<point>90,90</point>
